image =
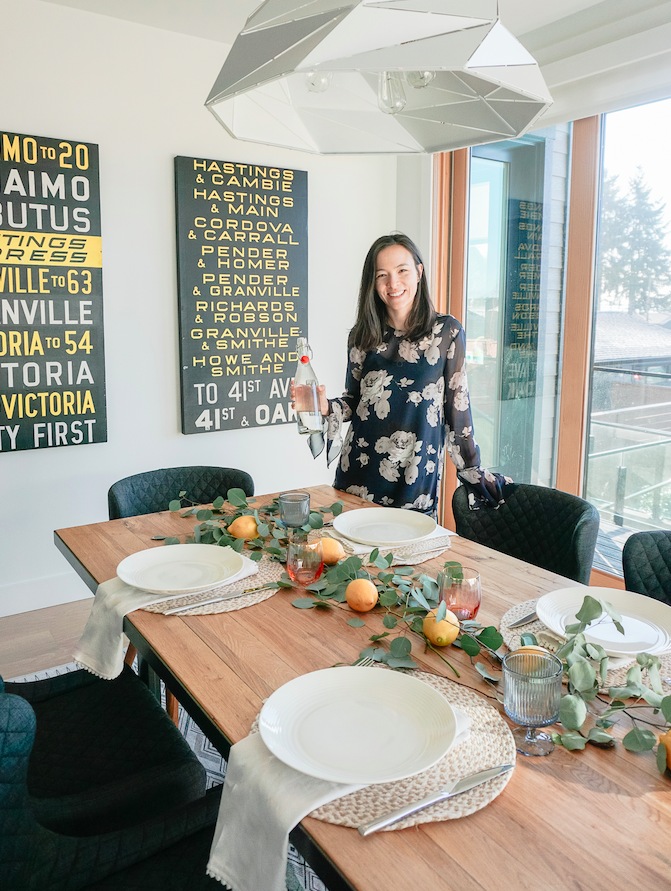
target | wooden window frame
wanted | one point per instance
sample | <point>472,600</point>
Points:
<point>451,174</point>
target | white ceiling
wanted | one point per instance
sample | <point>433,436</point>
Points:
<point>595,55</point>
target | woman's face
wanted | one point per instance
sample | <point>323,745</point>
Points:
<point>396,282</point>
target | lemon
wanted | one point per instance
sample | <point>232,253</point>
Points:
<point>441,633</point>
<point>332,551</point>
<point>361,595</point>
<point>665,738</point>
<point>243,527</point>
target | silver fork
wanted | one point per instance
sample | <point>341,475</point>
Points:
<point>365,662</point>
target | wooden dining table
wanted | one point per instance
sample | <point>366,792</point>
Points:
<point>596,819</point>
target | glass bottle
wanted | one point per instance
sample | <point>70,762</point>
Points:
<point>305,391</point>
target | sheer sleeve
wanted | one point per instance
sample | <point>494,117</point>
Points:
<point>483,486</point>
<point>341,410</point>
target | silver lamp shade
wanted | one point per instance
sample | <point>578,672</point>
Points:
<point>395,76</point>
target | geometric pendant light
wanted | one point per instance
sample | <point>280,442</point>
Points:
<point>377,76</point>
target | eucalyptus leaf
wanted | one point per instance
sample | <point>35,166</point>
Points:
<point>374,554</point>
<point>236,497</point>
<point>590,610</point>
<point>316,521</point>
<point>575,628</point>
<point>416,625</point>
<point>421,600</point>
<point>158,538</point>
<point>490,637</point>
<point>182,493</point>
<point>256,556</point>
<point>639,740</point>
<point>484,671</point>
<point>401,662</point>
<point>665,706</point>
<point>605,723</point>
<point>390,621</point>
<point>624,692</point>
<point>388,597</point>
<point>376,637</point>
<point>404,570</point>
<point>218,502</point>
<point>441,612</point>
<point>174,505</point>
<point>582,676</point>
<point>656,680</point>
<point>356,623</point>
<point>263,529</point>
<point>400,646</point>
<point>652,698</point>
<point>196,533</point>
<point>376,653</point>
<point>337,508</point>
<point>571,740</point>
<point>603,670</point>
<point>613,613</point>
<point>385,577</point>
<point>634,676</point>
<point>470,646</point>
<point>600,737</point>
<point>453,569</point>
<point>303,602</point>
<point>661,758</point>
<point>595,652</point>
<point>238,544</point>
<point>171,540</point>
<point>572,711</point>
<point>203,514</point>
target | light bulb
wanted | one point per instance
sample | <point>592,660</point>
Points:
<point>318,81</point>
<point>419,79</point>
<point>390,94</point>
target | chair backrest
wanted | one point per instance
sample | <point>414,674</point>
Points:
<point>551,529</point>
<point>646,560</point>
<point>150,492</point>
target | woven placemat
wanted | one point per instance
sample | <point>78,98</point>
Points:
<point>614,678</point>
<point>269,571</point>
<point>490,743</point>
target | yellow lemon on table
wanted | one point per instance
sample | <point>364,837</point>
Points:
<point>442,633</point>
<point>361,595</point>
<point>332,551</point>
<point>243,527</point>
<point>666,739</point>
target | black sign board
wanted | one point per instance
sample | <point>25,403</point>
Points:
<point>520,336</point>
<point>52,366</point>
<point>242,267</point>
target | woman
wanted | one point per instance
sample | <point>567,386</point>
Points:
<point>406,394</point>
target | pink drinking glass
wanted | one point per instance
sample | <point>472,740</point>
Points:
<point>462,596</point>
<point>305,561</point>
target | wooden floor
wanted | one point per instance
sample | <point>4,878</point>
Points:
<point>41,638</point>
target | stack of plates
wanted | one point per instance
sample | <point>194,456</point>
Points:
<point>180,569</point>
<point>357,725</point>
<point>646,622</point>
<point>384,526</point>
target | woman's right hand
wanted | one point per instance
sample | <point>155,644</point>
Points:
<point>321,395</point>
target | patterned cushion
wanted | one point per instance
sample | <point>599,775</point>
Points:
<point>105,755</point>
<point>646,560</point>
<point>546,527</point>
<point>147,493</point>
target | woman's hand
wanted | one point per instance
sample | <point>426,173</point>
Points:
<point>321,395</point>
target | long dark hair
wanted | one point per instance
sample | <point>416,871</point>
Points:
<point>371,314</point>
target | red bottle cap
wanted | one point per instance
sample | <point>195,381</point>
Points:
<point>305,359</point>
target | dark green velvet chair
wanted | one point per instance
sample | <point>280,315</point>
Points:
<point>646,560</point>
<point>148,493</point>
<point>549,528</point>
<point>106,755</point>
<point>166,853</point>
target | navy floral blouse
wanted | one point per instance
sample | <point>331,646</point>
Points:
<point>406,402</point>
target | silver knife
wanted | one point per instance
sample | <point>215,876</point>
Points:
<point>217,599</point>
<point>455,788</point>
<point>524,620</point>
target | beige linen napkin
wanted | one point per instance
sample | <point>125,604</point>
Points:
<point>263,799</point>
<point>100,648</point>
<point>419,552</point>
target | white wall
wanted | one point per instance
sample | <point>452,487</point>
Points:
<point>138,93</point>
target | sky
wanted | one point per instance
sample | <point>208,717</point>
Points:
<point>639,137</point>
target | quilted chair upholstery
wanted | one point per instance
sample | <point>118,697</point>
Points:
<point>33,858</point>
<point>148,493</point>
<point>646,560</point>
<point>106,755</point>
<point>546,527</point>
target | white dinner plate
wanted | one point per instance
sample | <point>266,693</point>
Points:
<point>357,725</point>
<point>384,526</point>
<point>646,622</point>
<point>180,569</point>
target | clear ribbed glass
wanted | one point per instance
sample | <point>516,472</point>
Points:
<point>531,696</point>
